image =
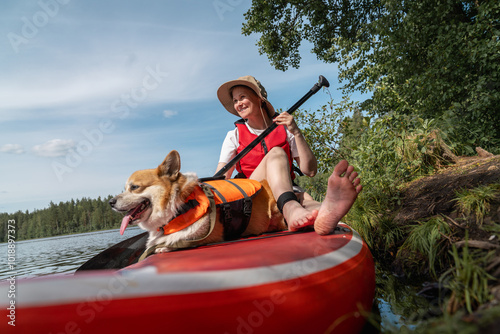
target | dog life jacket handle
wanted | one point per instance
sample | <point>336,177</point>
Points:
<point>321,83</point>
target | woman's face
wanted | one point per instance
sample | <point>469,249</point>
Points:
<point>246,102</point>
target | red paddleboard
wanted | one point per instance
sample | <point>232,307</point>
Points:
<point>287,282</point>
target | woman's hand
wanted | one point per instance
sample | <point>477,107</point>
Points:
<point>286,119</point>
<point>229,173</point>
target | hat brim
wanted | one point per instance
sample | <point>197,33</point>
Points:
<point>224,95</point>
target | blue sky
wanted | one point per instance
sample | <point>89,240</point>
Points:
<point>91,91</point>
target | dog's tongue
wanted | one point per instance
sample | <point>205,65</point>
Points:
<point>130,216</point>
<point>125,222</point>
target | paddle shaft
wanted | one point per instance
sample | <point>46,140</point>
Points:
<point>321,83</point>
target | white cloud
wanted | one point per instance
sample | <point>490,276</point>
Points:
<point>169,113</point>
<point>54,148</point>
<point>12,149</point>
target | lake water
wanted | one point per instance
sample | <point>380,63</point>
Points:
<point>65,254</point>
<point>61,254</point>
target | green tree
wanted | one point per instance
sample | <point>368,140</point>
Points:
<point>82,215</point>
<point>437,59</point>
<point>332,131</point>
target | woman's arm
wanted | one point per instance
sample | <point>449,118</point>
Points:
<point>306,159</point>
<point>229,173</point>
<point>228,152</point>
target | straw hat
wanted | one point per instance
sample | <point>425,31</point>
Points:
<point>224,93</point>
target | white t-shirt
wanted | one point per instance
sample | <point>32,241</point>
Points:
<point>230,144</point>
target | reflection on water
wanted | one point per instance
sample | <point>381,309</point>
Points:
<point>62,254</point>
<point>400,307</point>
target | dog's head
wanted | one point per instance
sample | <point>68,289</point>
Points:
<point>152,195</point>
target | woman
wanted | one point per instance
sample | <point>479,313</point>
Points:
<point>272,161</point>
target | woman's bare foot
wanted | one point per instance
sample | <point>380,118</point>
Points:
<point>341,193</point>
<point>297,217</point>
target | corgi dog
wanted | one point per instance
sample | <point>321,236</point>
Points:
<point>153,199</point>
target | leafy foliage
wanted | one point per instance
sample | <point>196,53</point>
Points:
<point>395,149</point>
<point>477,200</point>
<point>438,59</point>
<point>283,26</point>
<point>331,133</point>
<point>428,239</point>
<point>468,279</point>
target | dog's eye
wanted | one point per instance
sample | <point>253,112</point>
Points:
<point>134,187</point>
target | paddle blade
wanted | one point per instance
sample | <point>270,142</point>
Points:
<point>118,256</point>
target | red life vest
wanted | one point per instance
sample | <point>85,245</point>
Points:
<point>276,138</point>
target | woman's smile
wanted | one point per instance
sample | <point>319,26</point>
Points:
<point>245,101</point>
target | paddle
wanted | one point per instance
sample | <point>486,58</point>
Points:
<point>118,256</point>
<point>128,251</point>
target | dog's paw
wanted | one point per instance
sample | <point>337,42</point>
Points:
<point>162,250</point>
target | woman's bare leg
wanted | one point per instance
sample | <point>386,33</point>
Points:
<point>343,189</point>
<point>308,202</point>
<point>275,169</point>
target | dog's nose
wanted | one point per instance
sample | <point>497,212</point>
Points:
<point>112,202</point>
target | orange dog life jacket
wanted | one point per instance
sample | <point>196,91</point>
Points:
<point>233,197</point>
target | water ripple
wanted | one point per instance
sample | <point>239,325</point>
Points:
<point>56,255</point>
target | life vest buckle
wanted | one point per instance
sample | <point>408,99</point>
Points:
<point>226,210</point>
<point>247,206</point>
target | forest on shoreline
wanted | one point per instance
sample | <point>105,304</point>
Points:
<point>70,217</point>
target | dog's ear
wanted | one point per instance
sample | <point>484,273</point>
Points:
<point>170,166</point>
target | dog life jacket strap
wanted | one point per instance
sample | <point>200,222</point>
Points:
<point>189,243</point>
